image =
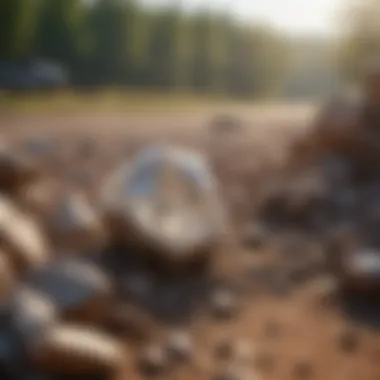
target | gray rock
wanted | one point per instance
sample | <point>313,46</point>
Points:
<point>72,283</point>
<point>32,314</point>
<point>168,198</point>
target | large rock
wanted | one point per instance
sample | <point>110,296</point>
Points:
<point>80,289</point>
<point>167,201</point>
<point>75,349</point>
<point>76,225</point>
<point>22,238</point>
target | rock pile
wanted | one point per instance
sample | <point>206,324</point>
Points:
<point>61,300</point>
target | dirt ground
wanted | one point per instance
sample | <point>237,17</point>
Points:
<point>288,310</point>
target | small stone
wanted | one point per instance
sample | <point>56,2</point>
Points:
<point>77,287</point>
<point>77,226</point>
<point>239,350</point>
<point>264,361</point>
<point>348,341</point>
<point>224,350</point>
<point>22,238</point>
<point>153,360</point>
<point>255,236</point>
<point>39,197</point>
<point>32,314</point>
<point>131,321</point>
<point>15,171</point>
<point>303,371</point>
<point>325,290</point>
<point>224,304</point>
<point>75,349</point>
<point>180,346</point>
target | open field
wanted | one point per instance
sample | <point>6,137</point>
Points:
<point>288,311</point>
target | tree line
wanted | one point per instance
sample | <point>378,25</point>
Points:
<point>121,42</point>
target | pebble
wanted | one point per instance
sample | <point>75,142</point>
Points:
<point>153,360</point>
<point>76,349</point>
<point>180,346</point>
<point>32,314</point>
<point>255,235</point>
<point>224,304</point>
<point>224,349</point>
<point>348,341</point>
<point>15,171</point>
<point>77,226</point>
<point>131,321</point>
<point>22,238</point>
<point>75,285</point>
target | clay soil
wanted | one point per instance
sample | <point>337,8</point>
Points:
<point>288,308</point>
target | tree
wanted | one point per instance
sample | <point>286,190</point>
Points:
<point>361,39</point>
<point>110,23</point>
<point>17,27</point>
<point>59,32</point>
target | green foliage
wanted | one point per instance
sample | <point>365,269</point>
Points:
<point>120,42</point>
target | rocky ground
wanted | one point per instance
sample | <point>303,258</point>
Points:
<point>268,308</point>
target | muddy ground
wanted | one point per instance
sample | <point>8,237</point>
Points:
<point>288,310</point>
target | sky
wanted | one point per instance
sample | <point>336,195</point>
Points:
<point>291,16</point>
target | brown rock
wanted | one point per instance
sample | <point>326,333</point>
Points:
<point>224,304</point>
<point>180,346</point>
<point>130,321</point>
<point>15,171</point>
<point>153,360</point>
<point>40,197</point>
<point>75,349</point>
<point>22,238</point>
